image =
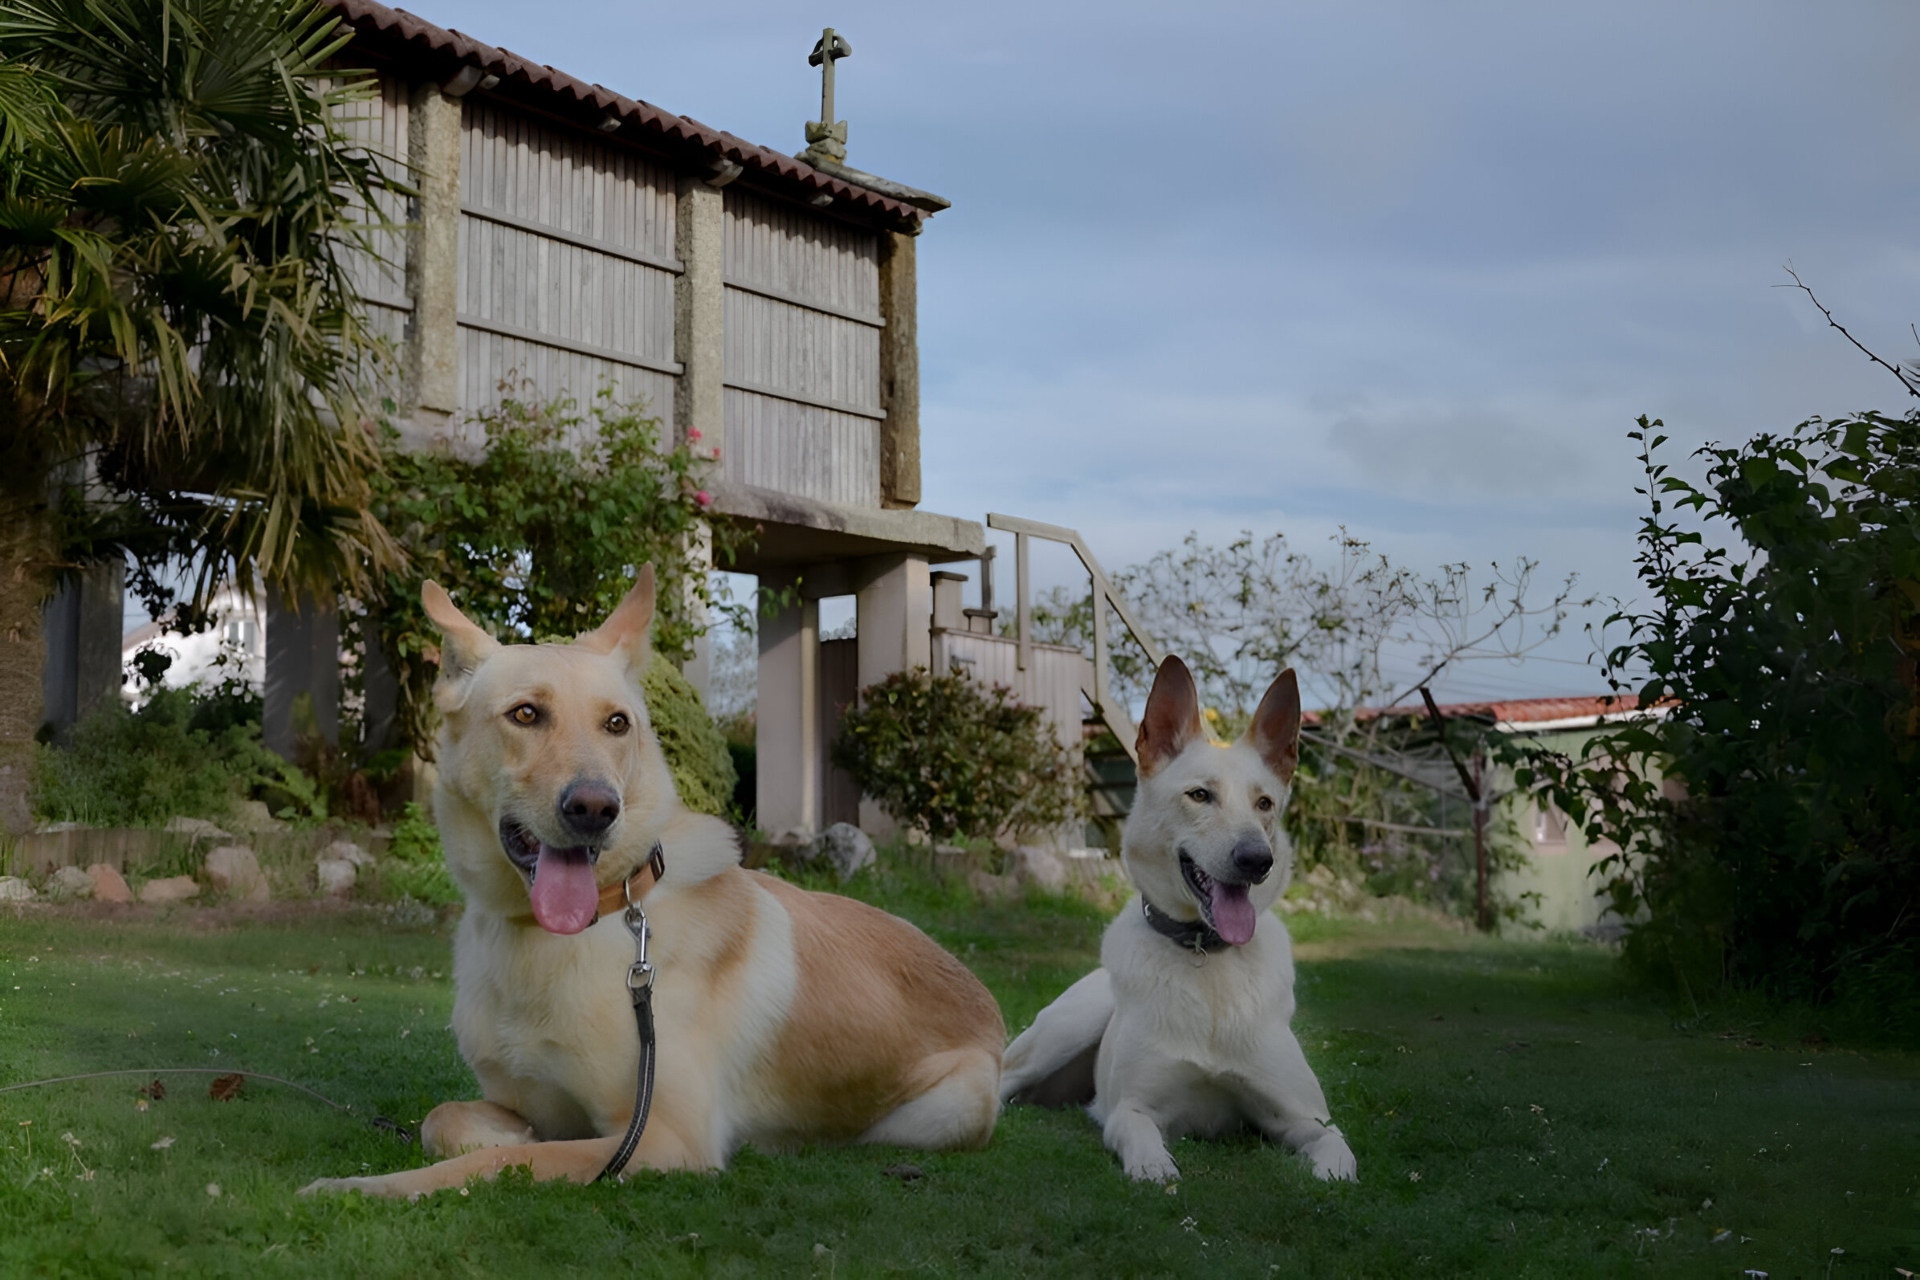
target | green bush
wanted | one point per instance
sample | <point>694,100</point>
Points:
<point>1769,821</point>
<point>415,867</point>
<point>954,758</point>
<point>695,749</point>
<point>184,752</point>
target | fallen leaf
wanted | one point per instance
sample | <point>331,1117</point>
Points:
<point>226,1088</point>
<point>163,1143</point>
<point>155,1091</point>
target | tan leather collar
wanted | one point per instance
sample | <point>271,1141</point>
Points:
<point>613,898</point>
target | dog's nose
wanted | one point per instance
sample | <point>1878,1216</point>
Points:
<point>589,808</point>
<point>1253,858</point>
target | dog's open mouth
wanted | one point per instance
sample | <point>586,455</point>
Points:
<point>560,882</point>
<point>1227,908</point>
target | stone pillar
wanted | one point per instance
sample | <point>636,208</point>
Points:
<point>83,624</point>
<point>787,718</point>
<point>698,313</point>
<point>303,663</point>
<point>893,609</point>
<point>431,364</point>
<point>899,373</point>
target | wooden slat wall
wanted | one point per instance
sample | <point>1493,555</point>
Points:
<point>381,125</point>
<point>824,442</point>
<point>515,166</point>
<point>1052,682</point>
<point>797,448</point>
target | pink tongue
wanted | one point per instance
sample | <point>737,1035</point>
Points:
<point>565,897</point>
<point>1233,917</point>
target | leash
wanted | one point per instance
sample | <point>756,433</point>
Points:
<point>640,987</point>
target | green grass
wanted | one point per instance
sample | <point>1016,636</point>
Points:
<point>1558,1124</point>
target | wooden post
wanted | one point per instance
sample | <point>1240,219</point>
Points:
<point>1022,603</point>
<point>899,374</point>
<point>1482,915</point>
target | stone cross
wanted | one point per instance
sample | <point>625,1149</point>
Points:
<point>827,137</point>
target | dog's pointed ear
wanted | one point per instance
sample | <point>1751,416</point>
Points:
<point>1172,718</point>
<point>1275,731</point>
<point>463,645</point>
<point>626,633</point>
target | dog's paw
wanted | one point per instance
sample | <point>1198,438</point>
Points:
<point>1332,1158</point>
<point>1153,1168</point>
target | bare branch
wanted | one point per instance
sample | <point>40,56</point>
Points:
<point>1906,380</point>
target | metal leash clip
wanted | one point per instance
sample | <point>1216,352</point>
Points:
<point>640,972</point>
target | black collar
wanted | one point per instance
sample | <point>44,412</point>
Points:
<point>1195,935</point>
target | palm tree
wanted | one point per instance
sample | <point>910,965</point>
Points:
<point>181,344</point>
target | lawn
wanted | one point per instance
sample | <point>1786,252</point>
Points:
<point>1515,1109</point>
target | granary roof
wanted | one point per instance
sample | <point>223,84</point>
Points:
<point>1536,713</point>
<point>436,53</point>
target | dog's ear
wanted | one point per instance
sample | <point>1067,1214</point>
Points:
<point>463,645</point>
<point>625,633</point>
<point>1172,718</point>
<point>1275,731</point>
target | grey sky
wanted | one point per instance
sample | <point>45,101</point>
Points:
<point>1406,267</point>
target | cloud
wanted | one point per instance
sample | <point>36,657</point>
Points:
<point>1449,453</point>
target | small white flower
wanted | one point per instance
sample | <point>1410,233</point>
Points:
<point>213,1189</point>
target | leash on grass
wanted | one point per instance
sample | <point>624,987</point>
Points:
<point>385,1124</point>
<point>640,987</point>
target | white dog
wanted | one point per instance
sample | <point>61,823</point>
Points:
<point>1184,1027</point>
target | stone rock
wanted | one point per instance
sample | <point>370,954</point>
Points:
<point>196,829</point>
<point>253,818</point>
<point>108,884</point>
<point>347,851</point>
<point>1042,868</point>
<point>233,870</point>
<point>846,847</point>
<point>14,889</point>
<point>335,876</point>
<point>989,887</point>
<point>68,883</point>
<point>172,889</point>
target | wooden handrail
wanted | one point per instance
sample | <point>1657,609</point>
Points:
<point>1101,695</point>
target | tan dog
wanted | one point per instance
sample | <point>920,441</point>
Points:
<point>1183,1029</point>
<point>783,1016</point>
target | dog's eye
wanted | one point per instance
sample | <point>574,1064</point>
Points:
<point>1264,804</point>
<point>524,714</point>
<point>617,723</point>
<point>1200,795</point>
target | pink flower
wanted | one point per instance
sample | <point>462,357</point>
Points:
<point>716,453</point>
<point>693,433</point>
<point>704,498</point>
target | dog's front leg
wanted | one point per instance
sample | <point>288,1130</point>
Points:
<point>1135,1137</point>
<point>579,1160</point>
<point>455,1128</point>
<point>1286,1103</point>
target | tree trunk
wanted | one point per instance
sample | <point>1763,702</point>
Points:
<point>27,556</point>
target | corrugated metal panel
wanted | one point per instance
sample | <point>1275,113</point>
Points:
<point>800,449</point>
<point>1052,681</point>
<point>547,308</point>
